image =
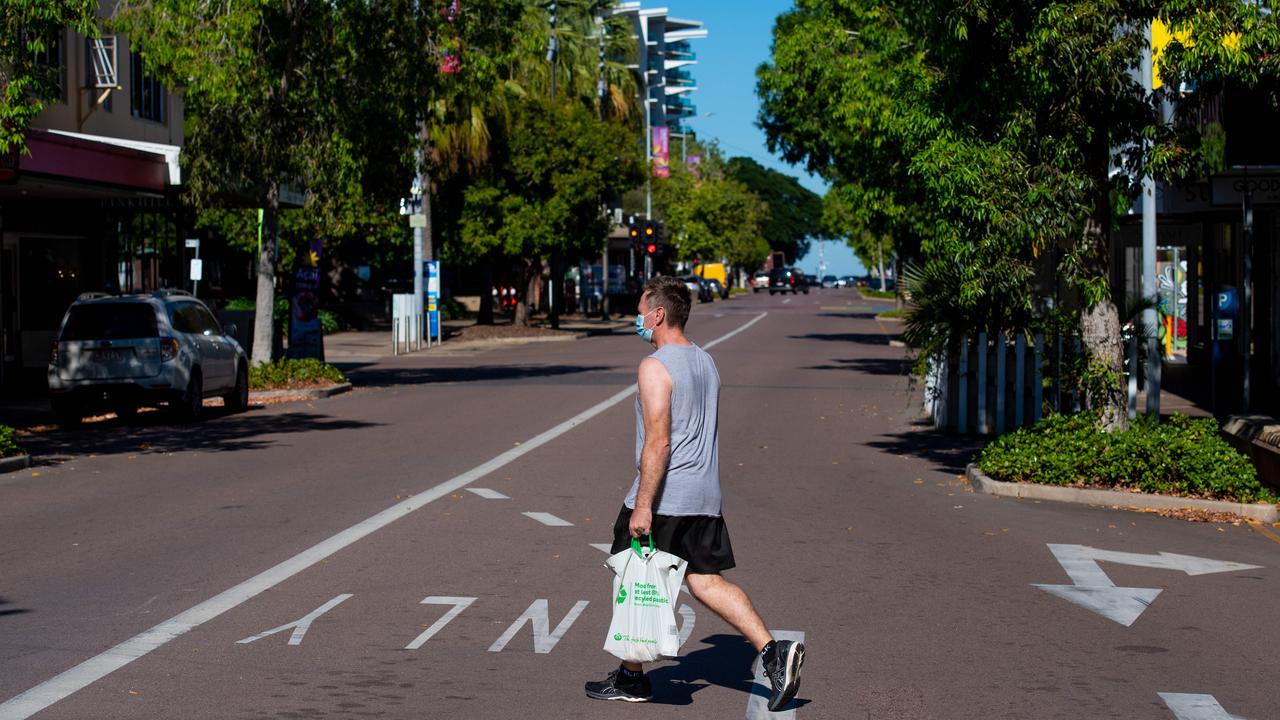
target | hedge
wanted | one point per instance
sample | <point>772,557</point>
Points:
<point>287,373</point>
<point>9,442</point>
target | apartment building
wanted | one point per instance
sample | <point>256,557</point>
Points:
<point>93,205</point>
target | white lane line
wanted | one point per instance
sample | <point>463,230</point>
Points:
<point>758,703</point>
<point>99,666</point>
<point>547,519</point>
<point>784,302</point>
<point>605,548</point>
<point>1187,706</point>
<point>488,494</point>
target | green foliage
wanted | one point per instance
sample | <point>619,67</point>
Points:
<point>1183,456</point>
<point>795,212</point>
<point>28,28</point>
<point>9,442</point>
<point>329,322</point>
<point>451,309</point>
<point>289,374</point>
<point>710,215</point>
<point>878,294</point>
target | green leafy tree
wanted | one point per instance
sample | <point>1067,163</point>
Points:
<point>795,212</point>
<point>549,179</point>
<point>710,215</point>
<point>28,29</point>
<point>997,135</point>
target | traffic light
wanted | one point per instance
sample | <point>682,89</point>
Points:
<point>633,232</point>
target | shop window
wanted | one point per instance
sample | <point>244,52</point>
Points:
<point>147,97</point>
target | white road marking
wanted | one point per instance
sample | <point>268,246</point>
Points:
<point>99,666</point>
<point>686,627</point>
<point>605,548</point>
<point>543,641</point>
<point>548,519</point>
<point>459,604</point>
<point>488,494</point>
<point>1186,706</point>
<point>301,625</point>
<point>758,703</point>
<point>784,302</point>
<point>1092,589</point>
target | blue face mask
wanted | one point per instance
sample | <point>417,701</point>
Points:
<point>645,333</point>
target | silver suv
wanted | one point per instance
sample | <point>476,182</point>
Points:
<point>122,352</point>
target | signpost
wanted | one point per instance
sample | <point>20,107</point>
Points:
<point>197,266</point>
<point>432,272</point>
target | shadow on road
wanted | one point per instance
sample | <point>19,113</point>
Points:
<point>727,663</point>
<point>946,450</point>
<point>156,433</point>
<point>11,610</point>
<point>870,366</point>
<point>366,376</point>
<point>861,338</point>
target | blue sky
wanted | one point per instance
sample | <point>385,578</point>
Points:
<point>739,39</point>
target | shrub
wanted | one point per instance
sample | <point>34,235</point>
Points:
<point>879,294</point>
<point>288,373</point>
<point>329,322</point>
<point>9,442</point>
<point>1183,456</point>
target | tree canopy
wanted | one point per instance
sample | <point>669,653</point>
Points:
<point>709,214</point>
<point>29,31</point>
<point>795,212</point>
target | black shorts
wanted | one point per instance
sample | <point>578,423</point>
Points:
<point>702,540</point>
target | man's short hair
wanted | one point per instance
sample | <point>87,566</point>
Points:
<point>671,295</point>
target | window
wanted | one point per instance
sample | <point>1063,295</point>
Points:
<point>110,321</point>
<point>147,97</point>
<point>52,61</point>
<point>91,74</point>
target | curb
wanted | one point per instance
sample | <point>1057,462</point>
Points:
<point>16,462</point>
<point>303,394</point>
<point>1263,512</point>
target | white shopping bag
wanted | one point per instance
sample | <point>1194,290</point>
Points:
<point>646,583</point>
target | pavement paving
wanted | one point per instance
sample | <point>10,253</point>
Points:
<point>424,546</point>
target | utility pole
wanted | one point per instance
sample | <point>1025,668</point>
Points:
<point>553,47</point>
<point>602,89</point>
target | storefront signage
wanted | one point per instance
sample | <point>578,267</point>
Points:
<point>1233,189</point>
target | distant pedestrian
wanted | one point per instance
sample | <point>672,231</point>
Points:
<point>676,494</point>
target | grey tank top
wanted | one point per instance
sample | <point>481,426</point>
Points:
<point>692,484</point>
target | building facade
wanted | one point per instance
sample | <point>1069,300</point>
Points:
<point>93,204</point>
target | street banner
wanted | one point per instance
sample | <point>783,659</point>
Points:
<point>306,338</point>
<point>661,151</point>
<point>692,164</point>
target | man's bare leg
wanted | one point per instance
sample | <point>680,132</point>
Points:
<point>731,603</point>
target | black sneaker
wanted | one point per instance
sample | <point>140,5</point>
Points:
<point>620,687</point>
<point>784,672</point>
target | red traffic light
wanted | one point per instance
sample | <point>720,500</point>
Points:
<point>651,248</point>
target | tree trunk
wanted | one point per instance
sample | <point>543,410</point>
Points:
<point>263,325</point>
<point>557,297</point>
<point>486,293</point>
<point>880,260</point>
<point>531,278</point>
<point>1100,326</point>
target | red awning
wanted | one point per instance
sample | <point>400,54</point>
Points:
<point>59,157</point>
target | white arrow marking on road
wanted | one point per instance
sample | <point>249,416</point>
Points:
<point>77,677</point>
<point>686,627</point>
<point>758,703</point>
<point>543,641</point>
<point>488,494</point>
<point>301,625</point>
<point>1186,706</point>
<point>1092,589</point>
<point>548,519</point>
<point>459,604</point>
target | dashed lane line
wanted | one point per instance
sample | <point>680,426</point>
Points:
<point>99,666</point>
<point>488,494</point>
<point>548,519</point>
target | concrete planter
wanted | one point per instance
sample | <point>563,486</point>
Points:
<point>1263,512</point>
<point>15,462</point>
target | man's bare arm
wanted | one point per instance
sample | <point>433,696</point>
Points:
<point>655,410</point>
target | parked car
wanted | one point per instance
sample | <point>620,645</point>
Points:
<point>791,280</point>
<point>120,353</point>
<point>698,288</point>
<point>813,281</point>
<point>847,281</point>
<point>718,288</point>
<point>760,281</point>
<point>829,281</point>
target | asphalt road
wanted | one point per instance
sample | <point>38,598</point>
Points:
<point>139,563</point>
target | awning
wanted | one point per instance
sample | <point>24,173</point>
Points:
<point>97,162</point>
